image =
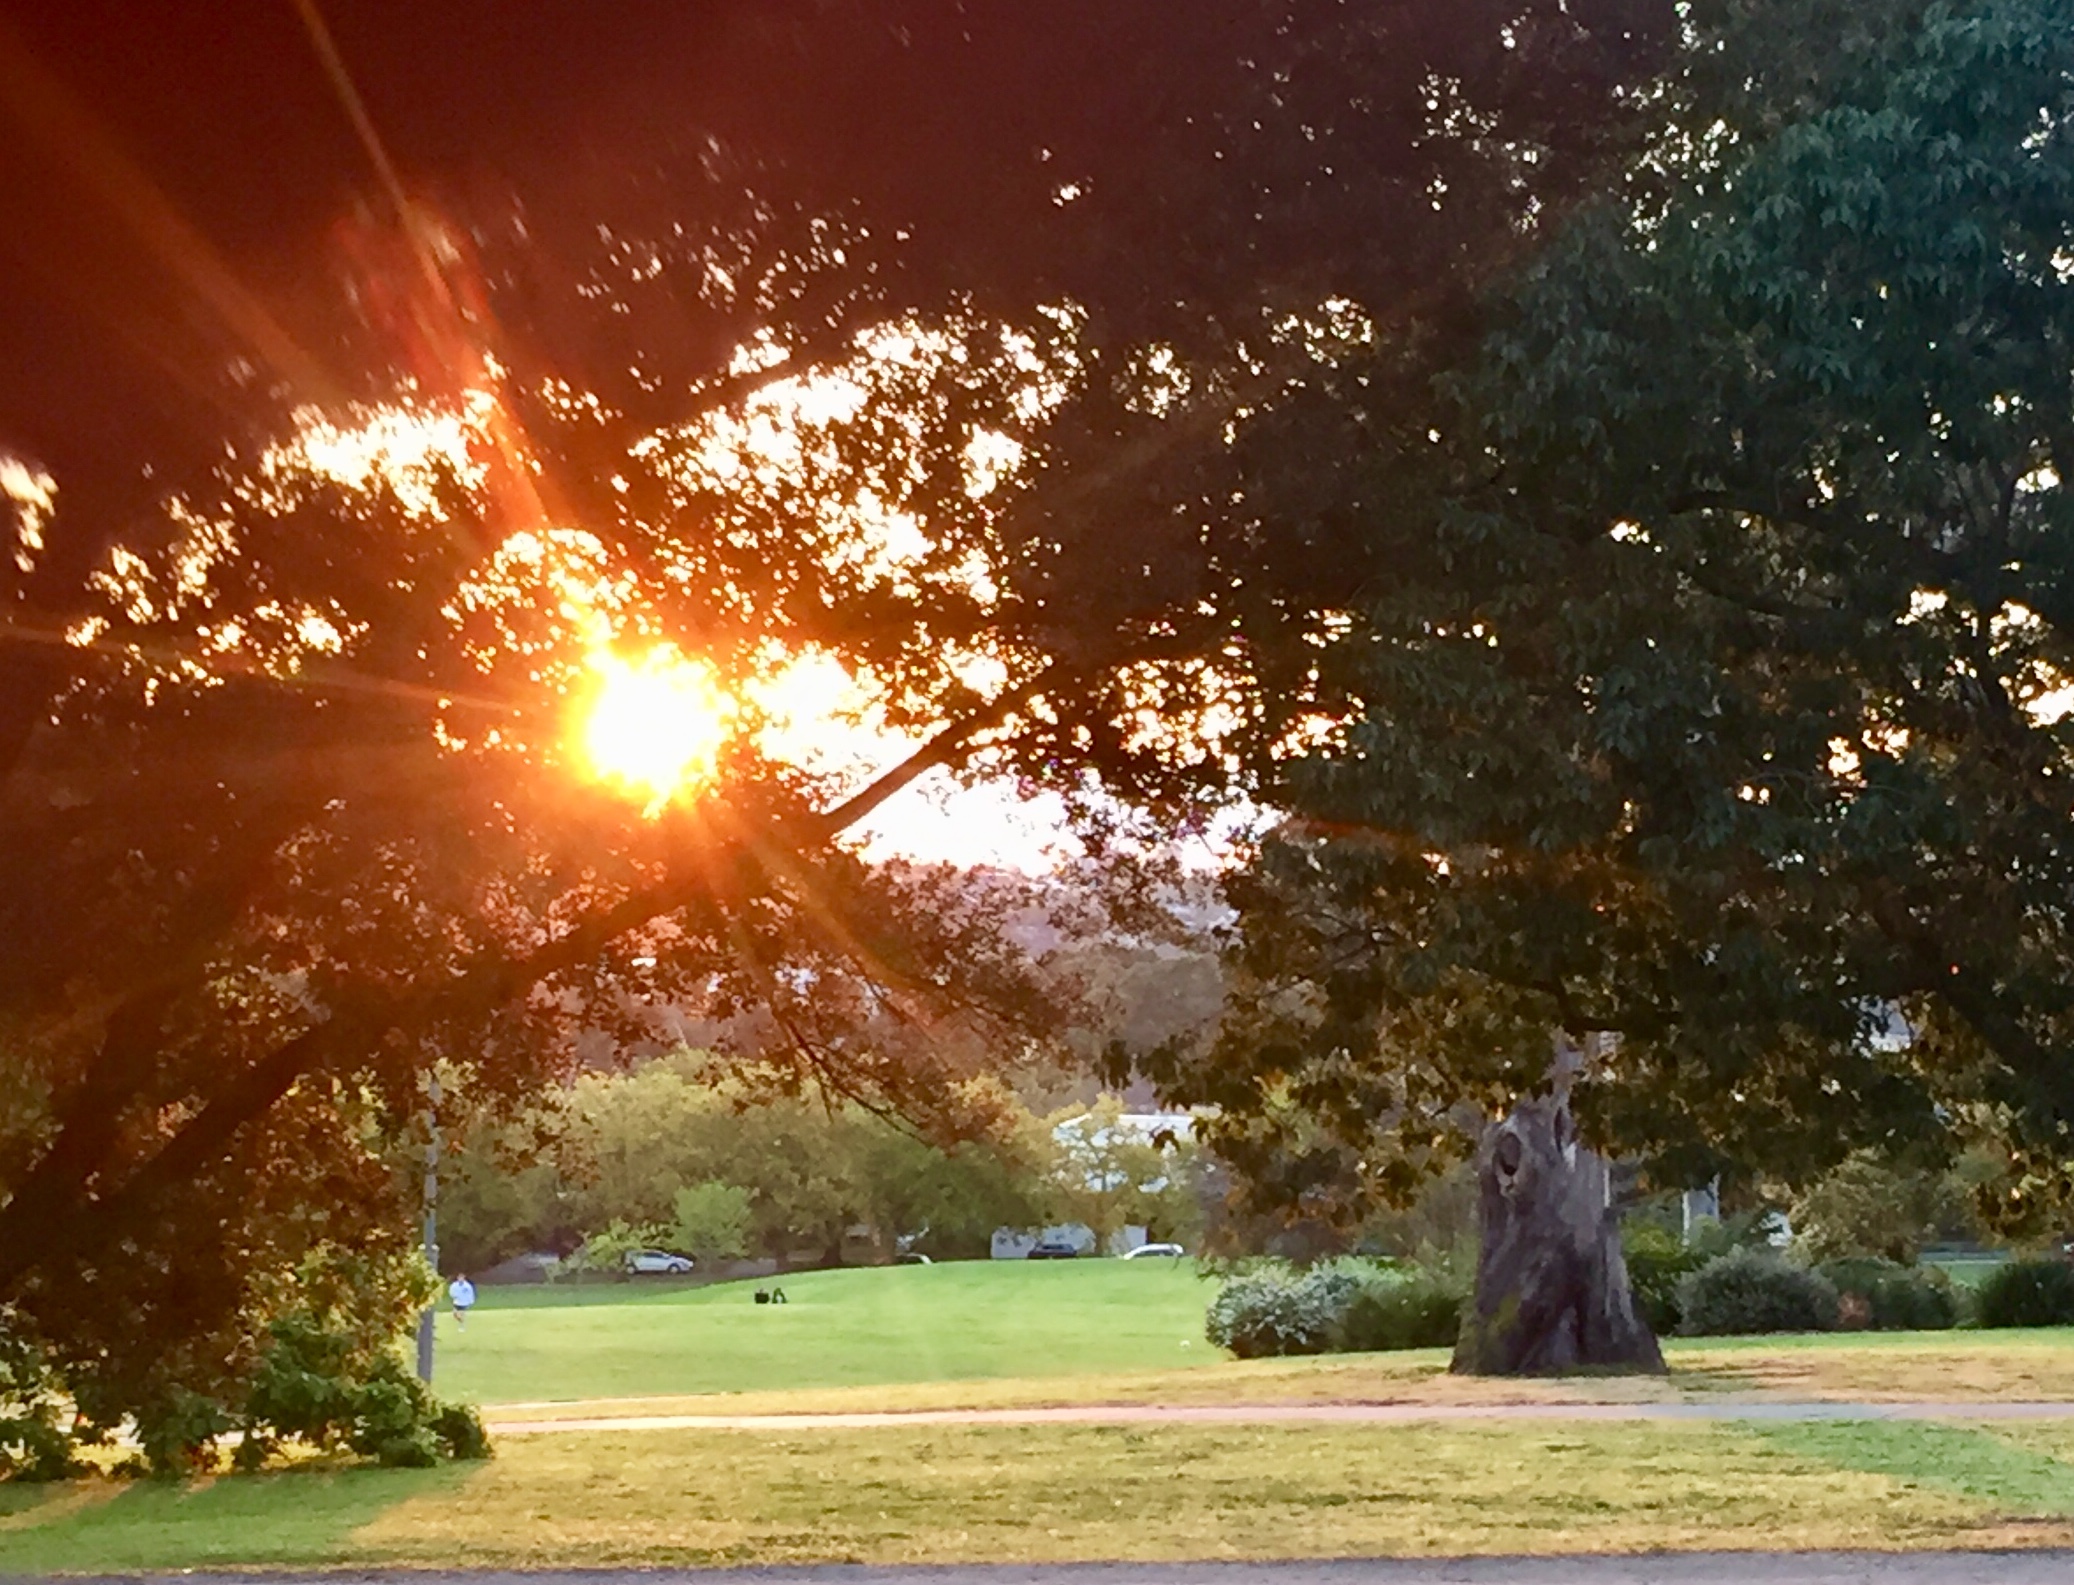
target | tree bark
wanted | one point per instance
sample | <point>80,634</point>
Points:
<point>1552,1289</point>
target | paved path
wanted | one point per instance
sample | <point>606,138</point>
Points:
<point>1689,1568</point>
<point>1278,1413</point>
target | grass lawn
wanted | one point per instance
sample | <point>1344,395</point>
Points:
<point>972,1320</point>
<point>1034,1493</point>
<point>1012,1334</point>
<point>1963,1367</point>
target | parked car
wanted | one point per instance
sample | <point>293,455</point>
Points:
<point>1154,1249</point>
<point>1053,1249</point>
<point>657,1263</point>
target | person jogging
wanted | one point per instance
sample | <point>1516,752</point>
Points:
<point>462,1292</point>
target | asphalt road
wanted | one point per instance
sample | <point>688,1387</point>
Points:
<point>1682,1568</point>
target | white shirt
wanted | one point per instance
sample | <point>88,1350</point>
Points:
<point>462,1292</point>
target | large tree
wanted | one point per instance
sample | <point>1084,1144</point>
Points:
<point>1713,710</point>
<point>1015,361</point>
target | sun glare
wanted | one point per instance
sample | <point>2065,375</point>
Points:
<point>654,725</point>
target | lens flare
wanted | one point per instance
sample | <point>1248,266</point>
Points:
<point>655,725</point>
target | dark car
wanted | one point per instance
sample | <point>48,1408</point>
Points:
<point>1053,1249</point>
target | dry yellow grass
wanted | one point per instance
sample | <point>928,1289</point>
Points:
<point>1030,1493</point>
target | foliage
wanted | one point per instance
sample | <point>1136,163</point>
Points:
<point>1864,1206</point>
<point>1746,1291</point>
<point>604,1253</point>
<point>35,1443</point>
<point>177,1432</point>
<point>328,1374</point>
<point>1658,1263</point>
<point>321,1386</point>
<point>1262,1312</point>
<point>302,817</point>
<point>711,1220</point>
<point>1886,1296</point>
<point>1439,1223</point>
<point>501,1191</point>
<point>1106,1174</point>
<point>785,1175</point>
<point>2027,1293</point>
<point>1411,1307</point>
<point>1699,706</point>
<point>1341,1305</point>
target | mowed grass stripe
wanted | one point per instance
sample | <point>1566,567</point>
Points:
<point>1012,1332</point>
<point>979,1320</point>
<point>951,1494</point>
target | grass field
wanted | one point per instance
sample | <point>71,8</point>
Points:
<point>1035,1493</point>
<point>973,1320</point>
<point>1007,1335</point>
<point>1897,1367</point>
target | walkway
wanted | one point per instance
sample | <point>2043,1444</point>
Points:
<point>1284,1413</point>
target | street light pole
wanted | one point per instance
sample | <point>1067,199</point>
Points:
<point>431,1223</point>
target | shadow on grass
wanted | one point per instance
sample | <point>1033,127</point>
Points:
<point>294,1517</point>
<point>2015,1482</point>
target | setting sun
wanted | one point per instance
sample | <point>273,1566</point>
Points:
<point>654,724</point>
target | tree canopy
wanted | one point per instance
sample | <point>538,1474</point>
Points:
<point>990,355</point>
<point>1714,699</point>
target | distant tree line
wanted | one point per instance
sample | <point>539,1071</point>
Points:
<point>674,1155</point>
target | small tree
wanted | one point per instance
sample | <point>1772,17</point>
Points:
<point>1109,1173</point>
<point>712,1220</point>
<point>1864,1206</point>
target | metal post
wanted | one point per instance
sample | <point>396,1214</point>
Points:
<point>431,1222</point>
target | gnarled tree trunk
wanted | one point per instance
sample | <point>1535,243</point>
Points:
<point>1551,1284</point>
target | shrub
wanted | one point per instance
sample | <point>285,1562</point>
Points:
<point>460,1431</point>
<point>2028,1293</point>
<point>1748,1291</point>
<point>1658,1261</point>
<point>1265,1313</point>
<point>316,1386</point>
<point>1885,1297</point>
<point>177,1432</point>
<point>1345,1305</point>
<point>1414,1308</point>
<point>34,1444</point>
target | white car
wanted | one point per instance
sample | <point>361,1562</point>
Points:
<point>1154,1249</point>
<point>657,1263</point>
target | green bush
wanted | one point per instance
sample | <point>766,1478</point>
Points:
<point>460,1431</point>
<point>315,1385</point>
<point>1883,1296</point>
<point>1748,1291</point>
<point>2028,1293</point>
<point>34,1443</point>
<point>1265,1313</point>
<point>1347,1305</point>
<point>177,1432</point>
<point>1658,1261</point>
<point>1414,1308</point>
